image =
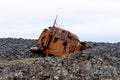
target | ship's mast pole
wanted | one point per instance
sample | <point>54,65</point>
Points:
<point>51,32</point>
<point>55,21</point>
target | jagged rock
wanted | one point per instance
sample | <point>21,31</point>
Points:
<point>102,62</point>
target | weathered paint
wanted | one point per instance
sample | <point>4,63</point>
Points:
<point>59,42</point>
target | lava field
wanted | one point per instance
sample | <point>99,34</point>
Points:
<point>102,62</point>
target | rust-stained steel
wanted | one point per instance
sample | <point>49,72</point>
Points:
<point>58,42</point>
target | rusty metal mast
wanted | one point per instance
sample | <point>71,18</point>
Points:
<point>50,35</point>
<point>55,21</point>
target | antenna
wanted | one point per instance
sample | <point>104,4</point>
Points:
<point>55,20</point>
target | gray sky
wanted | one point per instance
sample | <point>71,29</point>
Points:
<point>91,20</point>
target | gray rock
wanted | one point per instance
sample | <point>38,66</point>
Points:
<point>102,62</point>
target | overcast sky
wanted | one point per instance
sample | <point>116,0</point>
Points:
<point>91,20</point>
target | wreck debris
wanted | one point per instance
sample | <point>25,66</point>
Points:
<point>58,42</point>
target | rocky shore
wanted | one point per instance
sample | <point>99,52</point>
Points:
<point>102,62</point>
